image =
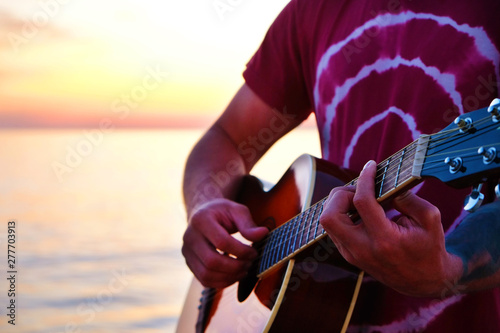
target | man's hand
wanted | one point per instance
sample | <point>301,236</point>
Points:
<point>216,258</point>
<point>408,254</point>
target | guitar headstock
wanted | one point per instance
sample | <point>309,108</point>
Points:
<point>468,150</point>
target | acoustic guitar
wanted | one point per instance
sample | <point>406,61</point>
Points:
<point>300,282</point>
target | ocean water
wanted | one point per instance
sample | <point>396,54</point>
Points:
<point>98,226</point>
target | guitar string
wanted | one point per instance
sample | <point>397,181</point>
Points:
<point>307,224</point>
<point>287,242</point>
<point>434,139</point>
<point>436,162</point>
<point>440,139</point>
<point>437,138</point>
<point>459,131</point>
<point>388,180</point>
<point>455,136</point>
<point>440,161</point>
<point>480,121</point>
<point>412,147</point>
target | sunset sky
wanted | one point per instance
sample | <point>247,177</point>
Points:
<point>134,62</point>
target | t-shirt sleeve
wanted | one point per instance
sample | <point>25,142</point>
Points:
<point>275,72</point>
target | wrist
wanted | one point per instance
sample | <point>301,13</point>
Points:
<point>453,272</point>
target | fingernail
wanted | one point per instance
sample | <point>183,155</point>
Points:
<point>368,164</point>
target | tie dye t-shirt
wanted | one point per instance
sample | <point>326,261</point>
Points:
<point>377,75</point>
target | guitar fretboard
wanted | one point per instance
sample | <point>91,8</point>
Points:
<point>304,229</point>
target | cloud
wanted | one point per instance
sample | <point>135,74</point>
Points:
<point>16,33</point>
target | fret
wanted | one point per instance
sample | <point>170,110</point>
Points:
<point>303,229</point>
<point>399,167</point>
<point>293,236</point>
<point>407,165</point>
<point>320,227</point>
<point>286,239</point>
<point>396,170</point>
<point>317,213</point>
<point>384,174</point>
<point>420,155</point>
<point>315,220</point>
<point>279,243</point>
<point>299,231</point>
<point>270,251</point>
<point>265,255</point>
<point>309,228</point>
<point>272,248</point>
<point>296,227</point>
<point>300,228</point>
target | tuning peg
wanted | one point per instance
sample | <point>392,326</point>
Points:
<point>464,124</point>
<point>474,200</point>
<point>489,155</point>
<point>454,163</point>
<point>497,191</point>
<point>494,110</point>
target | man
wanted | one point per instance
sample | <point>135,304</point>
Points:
<point>377,74</point>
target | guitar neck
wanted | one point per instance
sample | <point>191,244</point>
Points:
<point>398,172</point>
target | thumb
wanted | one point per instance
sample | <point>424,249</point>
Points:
<point>246,226</point>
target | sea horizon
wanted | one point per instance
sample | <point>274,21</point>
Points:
<point>100,220</point>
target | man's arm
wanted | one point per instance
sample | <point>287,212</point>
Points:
<point>215,167</point>
<point>477,242</point>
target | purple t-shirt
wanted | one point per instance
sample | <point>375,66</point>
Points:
<point>378,74</point>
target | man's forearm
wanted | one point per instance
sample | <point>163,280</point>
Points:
<point>477,242</point>
<point>213,169</point>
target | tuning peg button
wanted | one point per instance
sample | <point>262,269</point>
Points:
<point>494,110</point>
<point>454,163</point>
<point>474,200</point>
<point>464,124</point>
<point>489,155</point>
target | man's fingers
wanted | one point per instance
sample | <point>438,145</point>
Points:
<point>208,264</point>
<point>216,257</point>
<point>244,223</point>
<point>214,279</point>
<point>218,222</point>
<point>220,239</point>
<point>339,202</point>
<point>370,211</point>
<point>336,221</point>
<point>417,209</point>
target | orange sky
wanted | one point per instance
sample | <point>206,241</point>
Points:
<point>132,62</point>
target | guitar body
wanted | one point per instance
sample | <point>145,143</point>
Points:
<point>311,292</point>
